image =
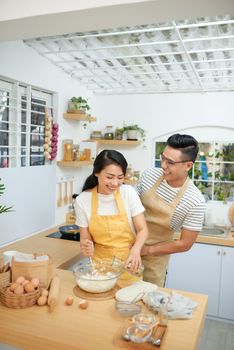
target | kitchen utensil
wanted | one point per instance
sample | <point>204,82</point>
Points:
<point>157,334</point>
<point>104,278</point>
<point>145,318</point>
<point>69,229</point>
<point>127,308</point>
<point>138,333</point>
<point>71,192</point>
<point>60,200</point>
<point>80,293</point>
<point>65,199</point>
<point>93,271</point>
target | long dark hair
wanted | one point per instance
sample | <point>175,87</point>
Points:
<point>104,159</point>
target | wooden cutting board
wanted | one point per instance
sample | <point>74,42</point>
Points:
<point>110,294</point>
<point>120,342</point>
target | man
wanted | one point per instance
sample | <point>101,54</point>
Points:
<point>172,203</point>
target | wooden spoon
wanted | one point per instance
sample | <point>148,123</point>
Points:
<point>60,200</point>
<point>71,192</point>
<point>65,199</point>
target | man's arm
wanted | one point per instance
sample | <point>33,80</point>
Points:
<point>183,244</point>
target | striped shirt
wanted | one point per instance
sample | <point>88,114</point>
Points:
<point>190,211</point>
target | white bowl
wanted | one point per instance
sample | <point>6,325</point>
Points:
<point>99,276</point>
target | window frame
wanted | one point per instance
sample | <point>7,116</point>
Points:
<point>24,102</point>
<point>212,159</point>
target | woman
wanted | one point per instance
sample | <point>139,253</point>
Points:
<point>110,214</point>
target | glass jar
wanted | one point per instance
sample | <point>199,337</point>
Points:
<point>96,134</point>
<point>67,150</point>
<point>75,151</point>
<point>118,134</point>
<point>109,132</point>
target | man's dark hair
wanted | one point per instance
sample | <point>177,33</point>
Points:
<point>187,144</point>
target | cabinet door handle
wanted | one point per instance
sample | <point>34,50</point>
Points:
<point>224,253</point>
<point>218,252</point>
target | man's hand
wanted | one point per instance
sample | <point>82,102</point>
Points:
<point>145,250</point>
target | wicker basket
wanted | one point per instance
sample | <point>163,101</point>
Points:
<point>5,279</point>
<point>18,301</point>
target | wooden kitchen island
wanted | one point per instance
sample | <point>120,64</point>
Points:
<point>69,327</point>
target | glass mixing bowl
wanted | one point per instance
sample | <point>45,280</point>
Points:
<point>97,276</point>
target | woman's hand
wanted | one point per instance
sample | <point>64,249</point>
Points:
<point>87,247</point>
<point>133,262</point>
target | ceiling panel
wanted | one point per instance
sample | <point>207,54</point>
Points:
<point>183,56</point>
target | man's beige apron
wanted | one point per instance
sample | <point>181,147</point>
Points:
<point>158,214</point>
<point>112,235</point>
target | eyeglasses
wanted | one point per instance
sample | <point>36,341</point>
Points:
<point>172,162</point>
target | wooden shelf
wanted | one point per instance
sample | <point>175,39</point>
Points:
<point>115,142</point>
<point>130,182</point>
<point>79,116</point>
<point>74,164</point>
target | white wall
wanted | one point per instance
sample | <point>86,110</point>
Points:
<point>32,191</point>
<point>207,116</point>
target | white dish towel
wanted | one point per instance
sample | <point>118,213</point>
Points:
<point>178,306</point>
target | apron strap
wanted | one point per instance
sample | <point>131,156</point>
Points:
<point>119,202</point>
<point>180,193</point>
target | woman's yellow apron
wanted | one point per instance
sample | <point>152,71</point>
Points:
<point>158,214</point>
<point>112,235</point>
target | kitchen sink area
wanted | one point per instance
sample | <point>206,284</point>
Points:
<point>214,231</point>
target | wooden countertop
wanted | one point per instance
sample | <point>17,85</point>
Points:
<point>217,240</point>
<point>69,327</point>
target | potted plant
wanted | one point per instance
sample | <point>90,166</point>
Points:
<point>3,208</point>
<point>78,105</point>
<point>133,131</point>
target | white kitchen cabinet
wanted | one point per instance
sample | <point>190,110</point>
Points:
<point>226,304</point>
<point>206,269</point>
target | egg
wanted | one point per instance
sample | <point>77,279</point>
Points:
<point>42,300</point>
<point>25,282</point>
<point>44,292</point>
<point>69,300</point>
<point>35,281</point>
<point>29,287</point>
<point>83,304</point>
<point>13,286</point>
<point>19,290</point>
<point>20,279</point>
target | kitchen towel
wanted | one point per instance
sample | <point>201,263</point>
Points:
<point>178,306</point>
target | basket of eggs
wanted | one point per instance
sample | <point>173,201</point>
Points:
<point>20,294</point>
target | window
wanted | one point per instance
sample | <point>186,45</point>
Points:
<point>213,171</point>
<point>22,123</point>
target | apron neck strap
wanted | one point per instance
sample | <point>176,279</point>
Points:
<point>117,196</point>
<point>180,193</point>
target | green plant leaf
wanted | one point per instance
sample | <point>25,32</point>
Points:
<point>4,209</point>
